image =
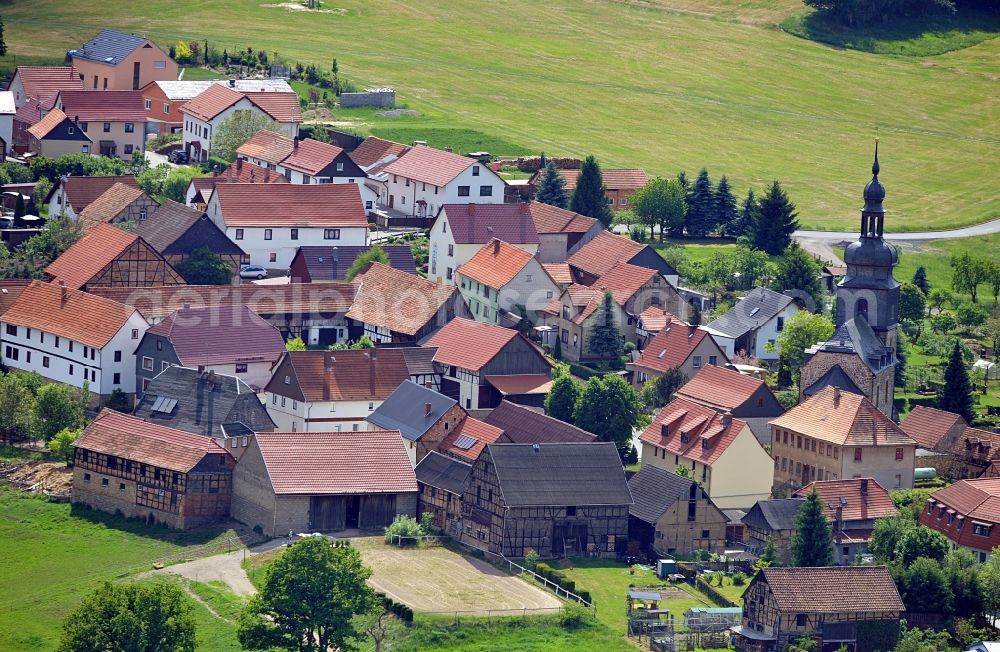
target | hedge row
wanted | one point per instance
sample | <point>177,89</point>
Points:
<point>397,609</point>
<point>560,580</point>
<point>581,371</point>
<point>711,592</point>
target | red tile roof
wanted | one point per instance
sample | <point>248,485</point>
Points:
<point>293,298</point>
<point>428,165</point>
<point>522,425</point>
<point>266,145</point>
<point>104,106</point>
<point>602,253</point>
<point>42,82</point>
<point>239,172</point>
<point>978,499</point>
<point>846,495</point>
<point>10,290</point>
<point>720,388</point>
<point>624,179</point>
<point>496,264</point>
<point>552,219</point>
<point>927,426</point>
<point>291,205</point>
<point>559,272</point>
<point>681,427</point>
<point>482,433</point>
<point>470,344</point>
<point>209,336</point>
<point>671,347</point>
<point>373,149</point>
<point>842,418</point>
<point>372,462</point>
<point>480,223</point>
<point>623,280</point>
<point>52,119</point>
<point>90,254</point>
<point>82,317</point>
<point>82,191</point>
<point>29,113</point>
<point>352,375</point>
<point>280,105</point>
<point>311,156</point>
<point>109,205</point>
<point>211,102</point>
<point>403,303</point>
<point>131,438</point>
<point>656,319</point>
<point>833,589</point>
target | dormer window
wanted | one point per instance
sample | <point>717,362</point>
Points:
<point>705,444</point>
<point>684,437</point>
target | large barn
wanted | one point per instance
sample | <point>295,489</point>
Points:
<point>323,482</point>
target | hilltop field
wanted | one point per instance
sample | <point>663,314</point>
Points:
<point>660,84</point>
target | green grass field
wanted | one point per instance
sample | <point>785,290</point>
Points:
<point>663,84</point>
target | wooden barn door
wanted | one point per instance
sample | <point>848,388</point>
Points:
<point>327,513</point>
<point>377,511</point>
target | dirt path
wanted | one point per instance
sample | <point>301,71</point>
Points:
<point>224,568</point>
<point>208,607</point>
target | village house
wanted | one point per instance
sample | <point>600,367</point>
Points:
<point>422,416</point>
<point>42,83</point>
<point>773,519</point>
<point>71,195</point>
<point>420,364</point>
<point>933,429</point>
<point>394,307</point>
<point>966,514</point>
<point>176,231</point>
<point>672,515</point>
<point>204,113</point>
<point>836,606</point>
<point>523,425</point>
<point>678,345</point>
<point>606,250</point>
<point>561,233</point>
<point>852,507</point>
<point>423,179</point>
<point>120,204</point>
<point>861,354</point>
<point>73,337</point>
<point>118,61</point>
<point>315,312</point>
<point>729,392</point>
<point>441,481</point>
<point>127,466</point>
<point>204,403</point>
<point>468,439</point>
<point>461,230</point>
<point>199,189</point>
<point>234,342</point>
<point>25,117</point>
<point>472,357</point>
<point>56,135</point>
<point>975,454</point>
<point>560,273</point>
<point>555,499</point>
<point>835,435</point>
<point>7,112</point>
<point>305,161</point>
<point>651,321</point>
<point>114,120</point>
<point>724,456</point>
<point>374,151</point>
<point>619,184</point>
<point>270,221</point>
<point>331,263</point>
<point>754,323</point>
<point>503,284</point>
<point>107,256</point>
<point>316,391</point>
<point>323,482</point>
<point>163,99</point>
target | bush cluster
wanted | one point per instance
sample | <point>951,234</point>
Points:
<point>398,609</point>
<point>557,578</point>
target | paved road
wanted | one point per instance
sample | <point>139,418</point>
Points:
<point>986,228</point>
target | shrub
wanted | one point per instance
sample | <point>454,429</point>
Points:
<point>426,521</point>
<point>530,559</point>
<point>405,527</point>
<point>638,234</point>
<point>574,616</point>
<point>585,595</point>
<point>739,578</point>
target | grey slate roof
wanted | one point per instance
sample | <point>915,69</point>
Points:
<point>775,514</point>
<point>204,407</point>
<point>856,336</point>
<point>835,376</point>
<point>442,472</point>
<point>560,474</point>
<point>754,310</point>
<point>404,410</point>
<point>526,426</point>
<point>654,490</point>
<point>419,359</point>
<point>323,267</point>
<point>109,47</point>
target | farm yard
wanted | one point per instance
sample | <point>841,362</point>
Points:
<point>624,81</point>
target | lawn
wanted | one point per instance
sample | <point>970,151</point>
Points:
<point>664,85</point>
<point>54,556</point>
<point>533,634</point>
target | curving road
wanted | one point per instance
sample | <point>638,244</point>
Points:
<point>986,228</point>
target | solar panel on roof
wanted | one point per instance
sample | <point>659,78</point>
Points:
<point>164,404</point>
<point>465,442</point>
<point>157,403</point>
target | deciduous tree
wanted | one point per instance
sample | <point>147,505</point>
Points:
<point>659,391</point>
<point>811,545</point>
<point>967,273</point>
<point>204,267</point>
<point>552,189</point>
<point>925,587</point>
<point>912,303</point>
<point>375,254</point>
<point>62,444</point>
<point>238,129</point>
<point>561,399</point>
<point>799,271</point>
<point>17,408</point>
<point>803,330</point>
<point>589,197</point>
<point>956,395</point>
<point>660,203</point>
<point>295,344</point>
<point>608,408</point>
<point>56,407</point>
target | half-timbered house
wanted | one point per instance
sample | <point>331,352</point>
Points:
<point>441,480</point>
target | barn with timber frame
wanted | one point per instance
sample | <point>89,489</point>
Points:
<point>323,482</point>
<point>835,606</point>
<point>566,499</point>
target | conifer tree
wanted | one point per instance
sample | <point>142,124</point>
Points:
<point>775,221</point>
<point>726,212</point>
<point>956,395</point>
<point>920,280</point>
<point>746,220</point>
<point>700,218</point>
<point>798,270</point>
<point>589,197</point>
<point>552,189</point>
<point>811,545</point>
<point>606,340</point>
<point>3,42</point>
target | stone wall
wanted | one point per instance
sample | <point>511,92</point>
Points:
<point>438,431</point>
<point>112,498</point>
<point>383,97</point>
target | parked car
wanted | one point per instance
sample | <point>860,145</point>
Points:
<point>253,271</point>
<point>178,156</point>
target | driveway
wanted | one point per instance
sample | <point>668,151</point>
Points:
<point>155,159</point>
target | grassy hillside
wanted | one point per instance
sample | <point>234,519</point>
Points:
<point>663,84</point>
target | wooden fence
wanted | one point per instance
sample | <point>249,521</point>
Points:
<point>502,562</point>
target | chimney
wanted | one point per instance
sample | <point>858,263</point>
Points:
<point>471,208</point>
<point>76,120</point>
<point>726,420</point>
<point>534,447</point>
<point>496,247</point>
<point>186,306</point>
<point>836,397</point>
<point>523,208</point>
<point>665,431</point>
<point>295,143</point>
<point>427,408</point>
<point>371,373</point>
<point>211,376</point>
<point>329,362</point>
<point>239,164</point>
<point>864,486</point>
<point>63,290</point>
